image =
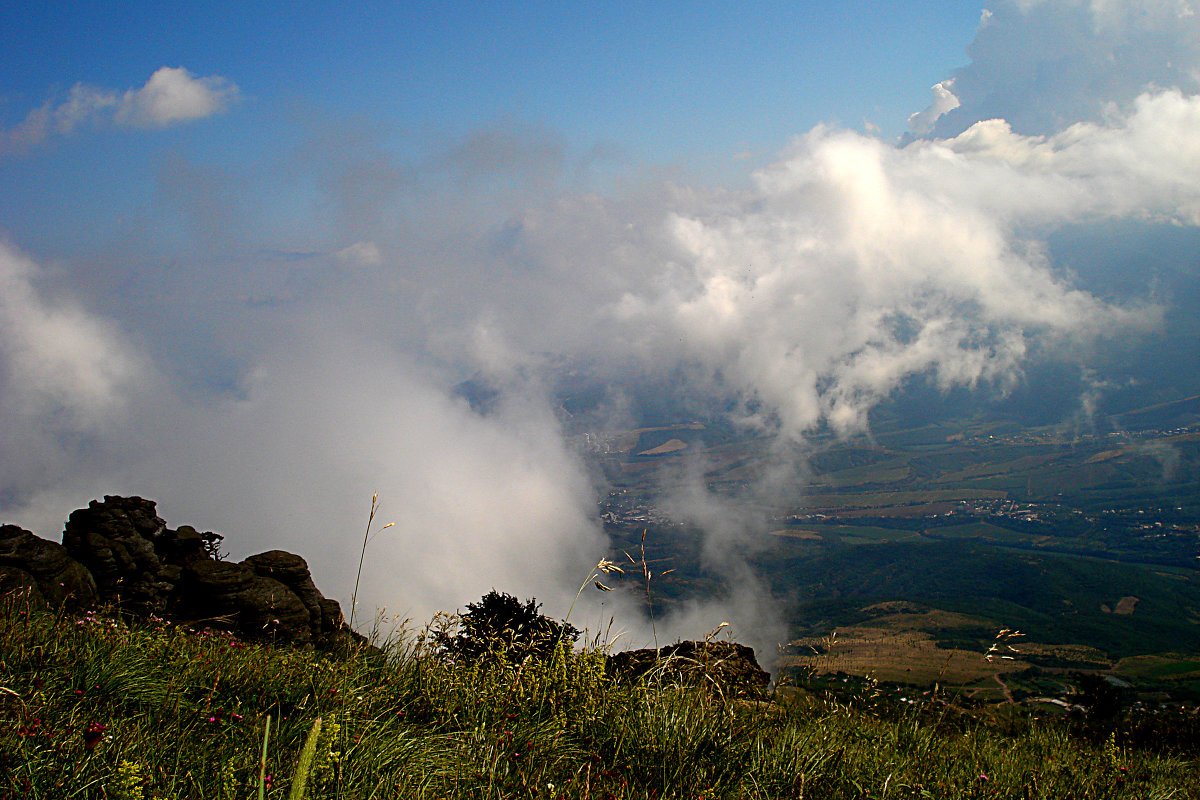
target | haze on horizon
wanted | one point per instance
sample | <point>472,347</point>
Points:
<point>245,261</point>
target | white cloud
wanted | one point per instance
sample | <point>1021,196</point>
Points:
<point>943,101</point>
<point>172,95</point>
<point>478,502</point>
<point>1043,65</point>
<point>1143,164</point>
<point>67,381</point>
<point>57,361</point>
<point>793,293</point>
<point>365,254</point>
<point>842,269</point>
<point>328,414</point>
<point>83,103</point>
<point>850,265</point>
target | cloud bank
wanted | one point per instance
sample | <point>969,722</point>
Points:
<point>66,381</point>
<point>851,264</point>
<point>1043,65</point>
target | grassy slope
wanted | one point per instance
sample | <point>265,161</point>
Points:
<point>93,708</point>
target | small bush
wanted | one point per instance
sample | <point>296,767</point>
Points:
<point>500,623</point>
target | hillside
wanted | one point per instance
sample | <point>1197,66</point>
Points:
<point>94,706</point>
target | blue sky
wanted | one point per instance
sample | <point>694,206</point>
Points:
<point>705,88</point>
<point>697,80</point>
<point>247,250</point>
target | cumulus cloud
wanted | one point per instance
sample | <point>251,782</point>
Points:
<point>1142,164</point>
<point>172,95</point>
<point>326,416</point>
<point>1043,65</point>
<point>851,265</point>
<point>479,502</point>
<point>83,103</point>
<point>844,268</point>
<point>943,101</point>
<point>360,253</point>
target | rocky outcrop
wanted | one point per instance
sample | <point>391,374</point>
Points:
<point>728,668</point>
<point>120,552</point>
<point>270,594</point>
<point>115,541</point>
<point>43,568</point>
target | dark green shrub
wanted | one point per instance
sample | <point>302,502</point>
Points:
<point>500,623</point>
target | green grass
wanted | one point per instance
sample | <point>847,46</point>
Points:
<point>99,708</point>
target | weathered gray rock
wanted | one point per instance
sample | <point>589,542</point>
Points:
<point>224,594</point>
<point>728,668</point>
<point>325,618</point>
<point>44,568</point>
<point>115,541</point>
<point>118,551</point>
<point>290,570</point>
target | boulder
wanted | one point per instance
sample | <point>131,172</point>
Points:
<point>228,595</point>
<point>43,568</point>
<point>291,571</point>
<point>727,668</point>
<point>325,619</point>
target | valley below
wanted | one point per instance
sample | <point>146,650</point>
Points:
<point>1003,562</point>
